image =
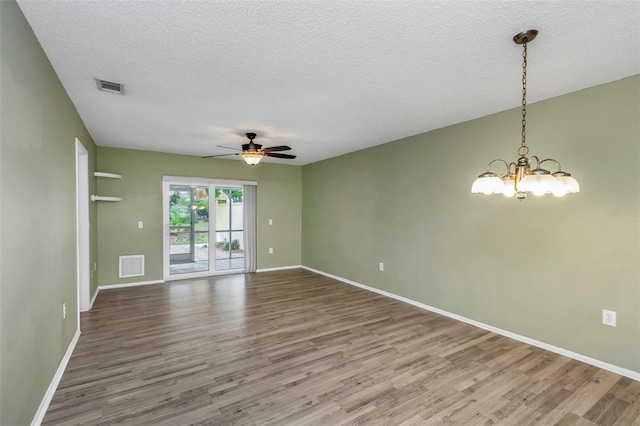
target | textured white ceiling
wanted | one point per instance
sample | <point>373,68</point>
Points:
<point>325,77</point>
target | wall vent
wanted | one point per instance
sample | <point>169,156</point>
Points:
<point>131,266</point>
<point>110,86</point>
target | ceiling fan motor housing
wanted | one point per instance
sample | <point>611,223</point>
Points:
<point>251,146</point>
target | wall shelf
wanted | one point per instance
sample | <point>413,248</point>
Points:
<point>107,175</point>
<point>101,198</point>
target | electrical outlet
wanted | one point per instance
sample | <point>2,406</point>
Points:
<point>609,318</point>
<point>270,250</point>
<point>64,311</point>
<point>381,266</point>
<point>270,221</point>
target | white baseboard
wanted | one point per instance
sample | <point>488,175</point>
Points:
<point>551,348</point>
<point>46,400</point>
<point>107,287</point>
<point>279,268</point>
<point>93,299</point>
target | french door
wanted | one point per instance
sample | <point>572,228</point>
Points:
<point>203,227</point>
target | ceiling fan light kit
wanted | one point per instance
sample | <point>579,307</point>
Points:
<point>520,177</point>
<point>252,153</point>
<point>252,158</point>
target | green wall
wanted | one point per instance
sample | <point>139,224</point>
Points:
<point>37,219</point>
<point>543,267</point>
<point>279,198</point>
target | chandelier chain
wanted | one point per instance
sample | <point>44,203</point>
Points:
<point>523,148</point>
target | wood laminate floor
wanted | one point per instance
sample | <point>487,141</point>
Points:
<point>296,348</point>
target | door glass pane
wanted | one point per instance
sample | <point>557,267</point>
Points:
<point>229,223</point>
<point>188,228</point>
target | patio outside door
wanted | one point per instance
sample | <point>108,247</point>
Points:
<point>203,229</point>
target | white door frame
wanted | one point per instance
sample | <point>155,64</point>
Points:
<point>82,228</point>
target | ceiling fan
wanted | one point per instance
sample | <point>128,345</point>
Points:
<point>252,152</point>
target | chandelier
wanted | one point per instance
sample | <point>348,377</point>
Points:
<point>521,177</point>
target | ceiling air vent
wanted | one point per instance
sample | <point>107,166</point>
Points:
<point>110,86</point>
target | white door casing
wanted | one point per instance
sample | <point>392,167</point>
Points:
<point>82,228</point>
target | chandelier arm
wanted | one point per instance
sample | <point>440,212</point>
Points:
<point>554,161</point>
<point>538,162</point>
<point>498,161</point>
<point>515,167</point>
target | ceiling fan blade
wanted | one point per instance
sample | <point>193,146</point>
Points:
<point>228,147</point>
<point>277,148</point>
<point>276,155</point>
<point>220,155</point>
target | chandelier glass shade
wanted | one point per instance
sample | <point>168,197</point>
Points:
<point>521,177</point>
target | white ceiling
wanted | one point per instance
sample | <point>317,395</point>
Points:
<point>325,77</point>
